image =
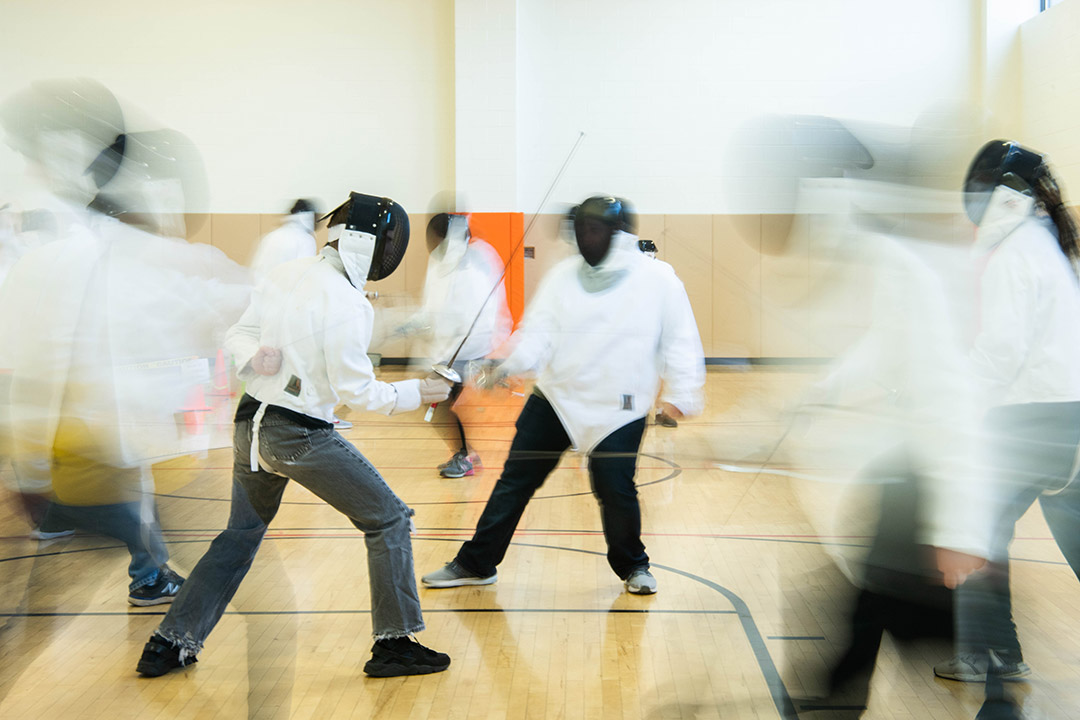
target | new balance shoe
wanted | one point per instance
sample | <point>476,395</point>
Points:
<point>640,582</point>
<point>453,575</point>
<point>459,466</point>
<point>971,667</point>
<point>159,656</point>
<point>163,590</point>
<point>392,657</point>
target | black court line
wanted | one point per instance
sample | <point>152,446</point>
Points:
<point>675,472</point>
<point>777,690</point>
<point>435,611</point>
<point>795,637</point>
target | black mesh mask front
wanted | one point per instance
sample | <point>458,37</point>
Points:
<point>383,218</point>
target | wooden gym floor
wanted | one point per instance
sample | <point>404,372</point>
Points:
<point>750,605</point>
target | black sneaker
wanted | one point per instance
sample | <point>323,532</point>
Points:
<point>159,656</point>
<point>163,590</point>
<point>391,657</point>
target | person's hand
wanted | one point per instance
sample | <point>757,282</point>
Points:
<point>671,411</point>
<point>485,374</point>
<point>434,389</point>
<point>955,566</point>
<point>267,361</point>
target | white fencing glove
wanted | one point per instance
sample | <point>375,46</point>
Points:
<point>434,389</point>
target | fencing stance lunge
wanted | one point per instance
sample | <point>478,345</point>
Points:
<point>461,272</point>
<point>302,348</point>
<point>602,331</point>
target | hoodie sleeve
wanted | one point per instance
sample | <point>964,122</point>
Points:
<point>682,359</point>
<point>243,338</point>
<point>532,344</point>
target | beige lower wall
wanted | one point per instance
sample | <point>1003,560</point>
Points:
<point>750,278</point>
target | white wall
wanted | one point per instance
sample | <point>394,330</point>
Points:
<point>1050,91</point>
<point>660,86</point>
<point>283,98</point>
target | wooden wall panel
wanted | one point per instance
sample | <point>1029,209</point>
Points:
<point>688,247</point>
<point>736,287</point>
<point>784,286</point>
<point>237,235</point>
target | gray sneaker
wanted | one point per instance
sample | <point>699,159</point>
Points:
<point>459,466</point>
<point>640,582</point>
<point>453,575</point>
<point>971,667</point>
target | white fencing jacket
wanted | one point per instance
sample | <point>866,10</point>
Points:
<point>322,325</point>
<point>1028,346</point>
<point>454,292</point>
<point>599,356</point>
<point>289,242</point>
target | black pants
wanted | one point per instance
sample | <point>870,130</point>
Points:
<point>538,445</point>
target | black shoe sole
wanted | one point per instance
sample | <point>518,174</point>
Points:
<point>395,670</point>
<point>157,669</point>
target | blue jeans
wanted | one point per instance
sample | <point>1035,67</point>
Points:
<point>332,469</point>
<point>124,522</point>
<point>538,445</point>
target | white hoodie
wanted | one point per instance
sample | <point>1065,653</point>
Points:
<point>454,291</point>
<point>1028,346</point>
<point>599,356</point>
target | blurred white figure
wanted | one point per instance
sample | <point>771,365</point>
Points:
<point>294,239</point>
<point>463,284</point>
<point>103,327</point>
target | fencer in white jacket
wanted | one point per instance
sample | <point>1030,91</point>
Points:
<point>463,284</point>
<point>602,331</point>
<point>302,348</point>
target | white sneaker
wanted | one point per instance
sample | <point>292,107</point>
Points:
<point>340,424</point>
<point>640,582</point>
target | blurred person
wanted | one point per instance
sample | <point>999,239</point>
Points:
<point>463,283</point>
<point>1024,355</point>
<point>604,328</point>
<point>893,421</point>
<point>302,347</point>
<point>294,239</point>
<point>98,367</point>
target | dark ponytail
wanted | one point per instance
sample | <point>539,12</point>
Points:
<point>1048,196</point>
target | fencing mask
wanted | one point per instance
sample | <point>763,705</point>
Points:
<point>999,162</point>
<point>595,221</point>
<point>372,234</point>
